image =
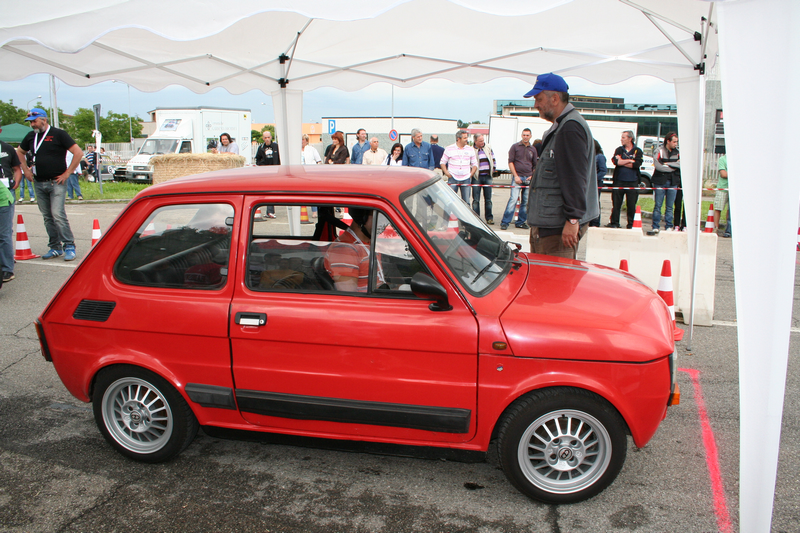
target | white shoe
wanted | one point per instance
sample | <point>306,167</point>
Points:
<point>33,200</point>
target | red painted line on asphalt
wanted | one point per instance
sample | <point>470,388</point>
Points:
<point>712,457</point>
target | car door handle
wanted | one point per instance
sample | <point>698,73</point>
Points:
<point>251,319</point>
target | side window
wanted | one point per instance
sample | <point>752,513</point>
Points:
<point>179,246</point>
<point>331,254</point>
<point>186,147</point>
<point>279,261</point>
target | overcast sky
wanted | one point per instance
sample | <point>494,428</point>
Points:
<point>433,99</point>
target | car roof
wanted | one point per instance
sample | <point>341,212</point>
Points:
<point>377,180</point>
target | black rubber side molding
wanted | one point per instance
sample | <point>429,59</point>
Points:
<point>439,419</point>
<point>211,395</point>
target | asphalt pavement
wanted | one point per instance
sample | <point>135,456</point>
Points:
<point>58,474</point>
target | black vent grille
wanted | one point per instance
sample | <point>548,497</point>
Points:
<point>94,310</point>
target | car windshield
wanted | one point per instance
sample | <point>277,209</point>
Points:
<point>158,146</point>
<point>469,248</point>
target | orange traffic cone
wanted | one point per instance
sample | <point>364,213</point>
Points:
<point>710,220</point>
<point>516,211</point>
<point>665,291</point>
<point>623,265</point>
<point>149,230</point>
<point>96,232</point>
<point>304,215</point>
<point>347,219</point>
<point>23,246</point>
<point>637,218</point>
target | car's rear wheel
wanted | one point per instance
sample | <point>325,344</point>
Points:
<point>141,415</point>
<point>562,445</point>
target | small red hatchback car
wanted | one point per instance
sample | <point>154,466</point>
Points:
<point>391,314</point>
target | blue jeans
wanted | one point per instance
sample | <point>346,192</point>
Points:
<point>511,206</point>
<point>73,186</point>
<point>6,240</point>
<point>487,195</point>
<point>51,197</point>
<point>659,191</point>
<point>464,185</point>
<point>25,183</point>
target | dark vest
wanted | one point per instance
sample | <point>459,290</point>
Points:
<point>545,204</point>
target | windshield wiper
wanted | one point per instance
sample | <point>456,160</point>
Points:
<point>494,260</point>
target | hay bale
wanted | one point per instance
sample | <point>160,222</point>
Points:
<point>170,166</point>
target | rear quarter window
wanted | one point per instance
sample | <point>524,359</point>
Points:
<point>179,246</point>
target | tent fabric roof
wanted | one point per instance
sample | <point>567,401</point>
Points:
<point>14,133</point>
<point>198,45</point>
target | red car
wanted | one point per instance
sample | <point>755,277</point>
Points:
<point>395,316</point>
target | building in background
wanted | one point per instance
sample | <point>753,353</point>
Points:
<point>312,129</point>
<point>647,116</point>
<point>381,127</point>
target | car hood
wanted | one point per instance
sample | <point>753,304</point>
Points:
<point>581,311</point>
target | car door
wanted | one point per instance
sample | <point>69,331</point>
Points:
<point>315,360</point>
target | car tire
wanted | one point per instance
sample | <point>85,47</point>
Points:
<point>141,415</point>
<point>581,441</point>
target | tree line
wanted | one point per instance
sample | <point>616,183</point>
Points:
<point>113,126</point>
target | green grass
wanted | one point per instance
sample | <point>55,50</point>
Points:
<point>111,190</point>
<point>647,203</point>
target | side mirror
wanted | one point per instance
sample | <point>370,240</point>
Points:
<point>424,286</point>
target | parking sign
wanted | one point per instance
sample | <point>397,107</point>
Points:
<point>331,127</point>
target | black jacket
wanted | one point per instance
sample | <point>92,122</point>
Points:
<point>265,157</point>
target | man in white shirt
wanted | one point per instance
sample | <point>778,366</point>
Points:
<point>459,164</point>
<point>375,155</point>
<point>309,156</point>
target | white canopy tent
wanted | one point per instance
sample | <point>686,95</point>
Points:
<point>351,44</point>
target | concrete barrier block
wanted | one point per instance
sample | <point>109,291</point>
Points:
<point>646,255</point>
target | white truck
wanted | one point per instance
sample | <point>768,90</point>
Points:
<point>190,131</point>
<point>507,130</point>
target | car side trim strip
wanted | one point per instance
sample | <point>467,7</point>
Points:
<point>211,395</point>
<point>439,419</point>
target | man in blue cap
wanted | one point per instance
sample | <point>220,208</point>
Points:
<point>49,173</point>
<point>563,195</point>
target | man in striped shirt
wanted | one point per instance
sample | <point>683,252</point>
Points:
<point>483,179</point>
<point>459,164</point>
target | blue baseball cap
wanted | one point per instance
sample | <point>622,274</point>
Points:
<point>548,82</point>
<point>35,113</point>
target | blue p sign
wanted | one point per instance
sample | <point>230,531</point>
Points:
<point>331,127</point>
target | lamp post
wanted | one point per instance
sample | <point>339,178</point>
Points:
<point>33,100</point>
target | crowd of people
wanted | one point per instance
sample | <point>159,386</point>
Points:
<point>557,179</point>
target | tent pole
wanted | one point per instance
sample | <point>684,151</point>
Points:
<point>699,169</point>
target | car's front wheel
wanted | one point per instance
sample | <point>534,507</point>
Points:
<point>141,415</point>
<point>562,445</point>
